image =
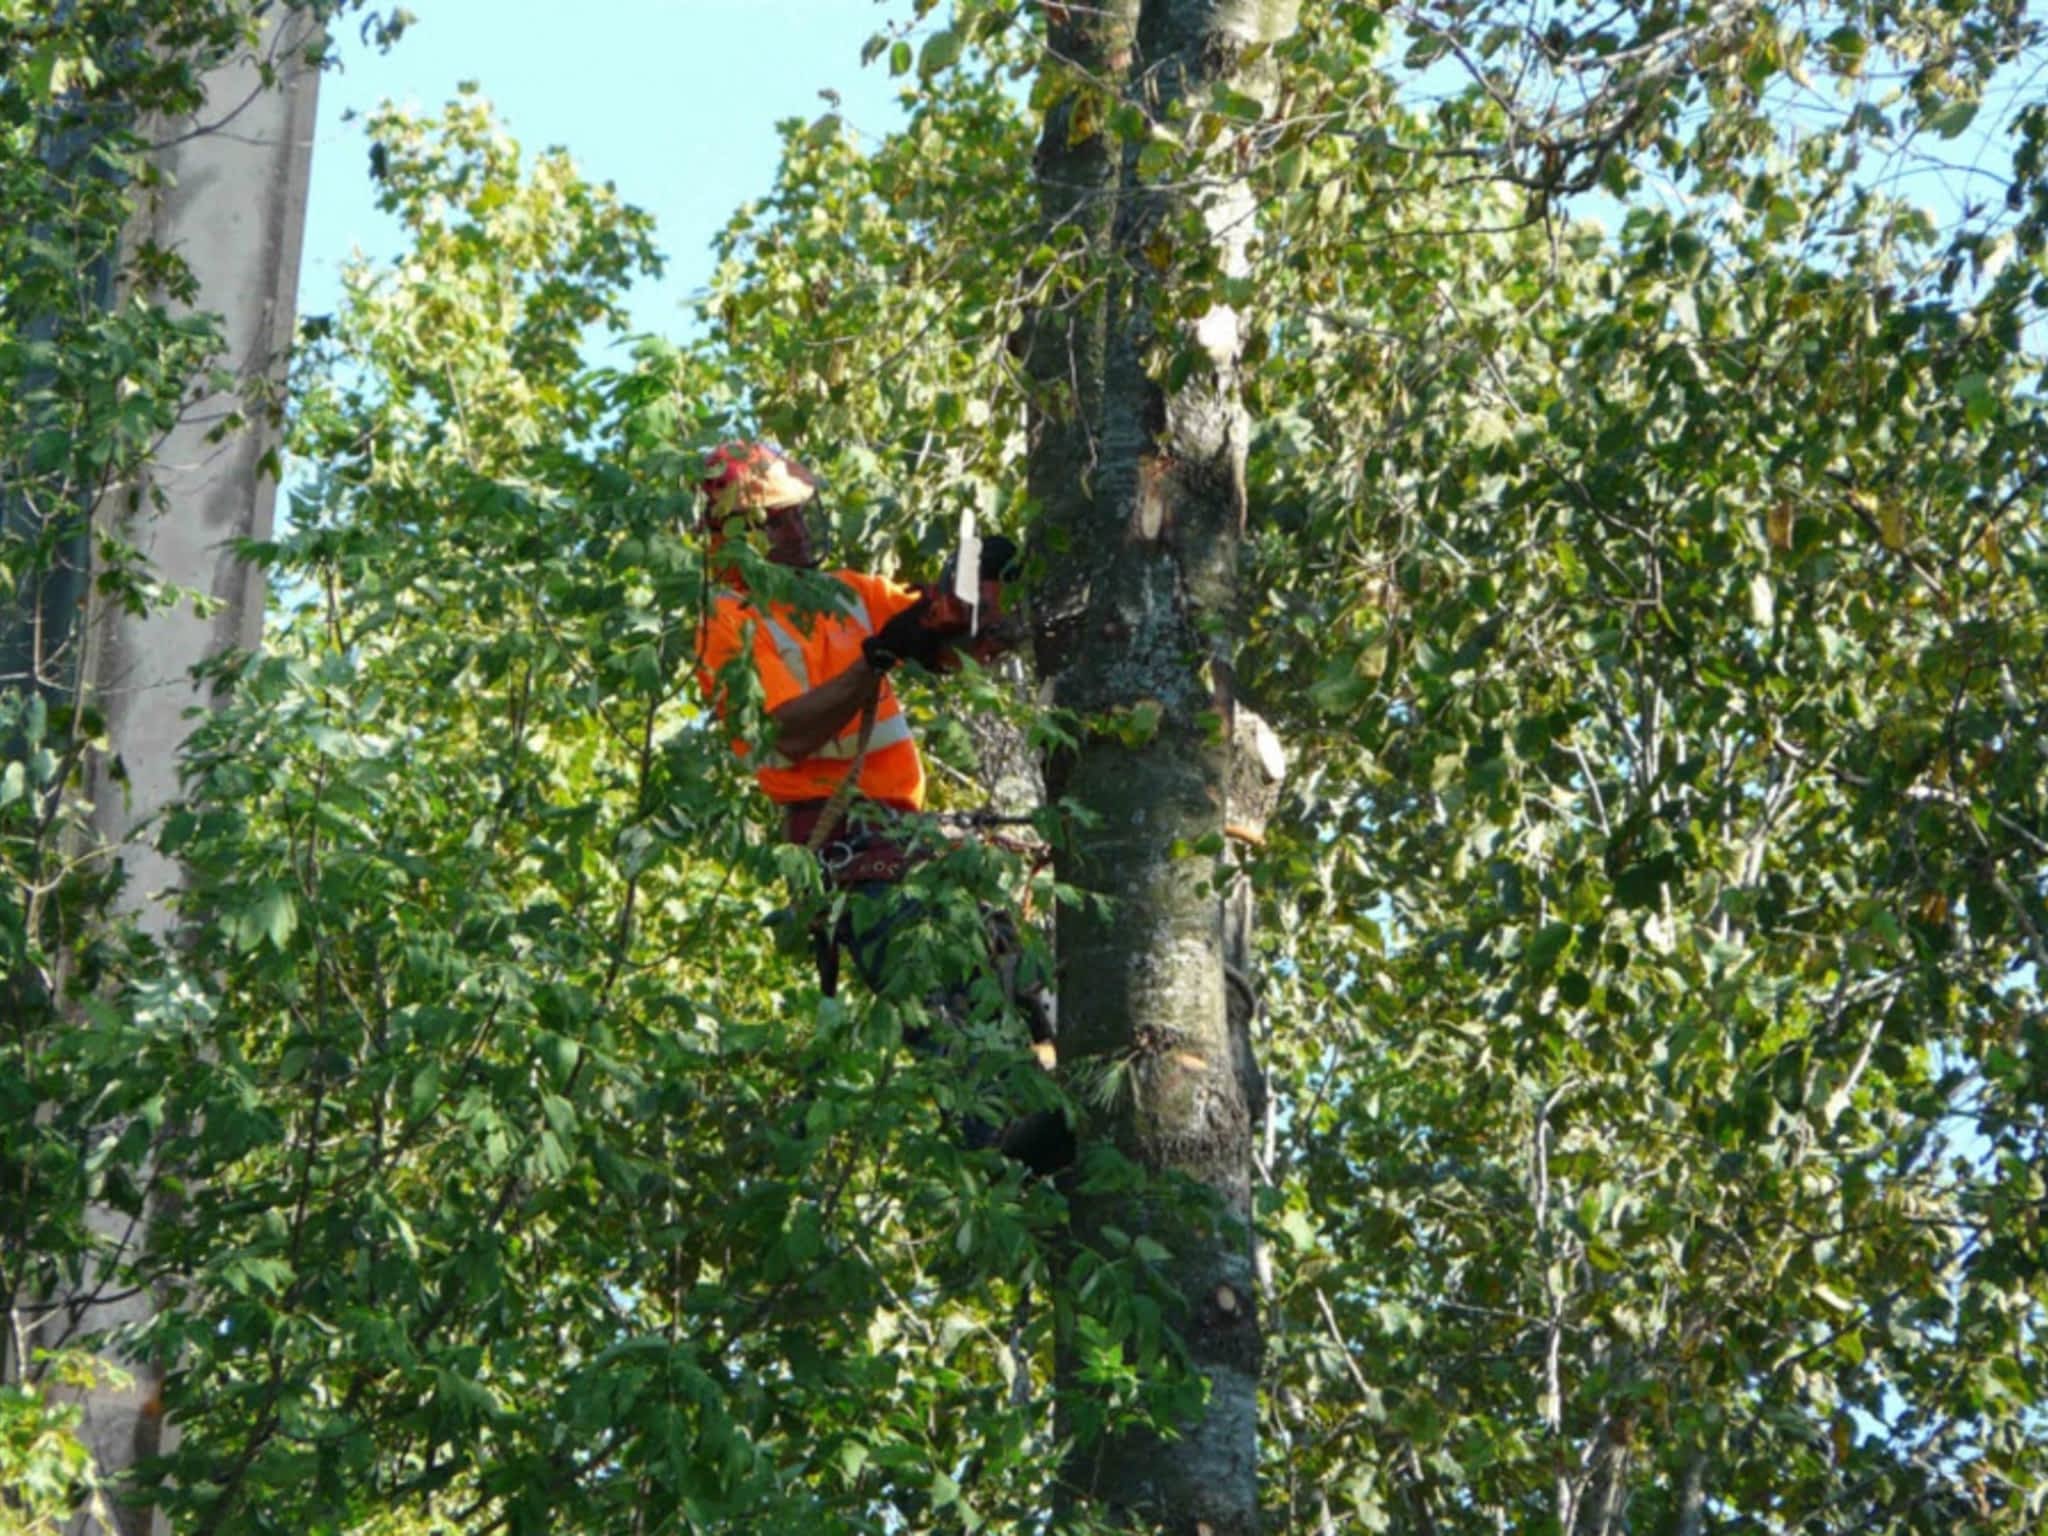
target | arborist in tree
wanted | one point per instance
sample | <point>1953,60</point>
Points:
<point>840,761</point>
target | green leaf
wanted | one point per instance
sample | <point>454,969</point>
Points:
<point>38,74</point>
<point>1952,120</point>
<point>1589,1212</point>
<point>469,1399</point>
<point>941,49</point>
<point>426,1088</point>
<point>1425,51</point>
<point>1641,885</point>
<point>1238,106</point>
<point>1546,946</point>
<point>1340,689</point>
<point>273,916</point>
<point>1979,402</point>
<point>1299,1228</point>
<point>1833,1298</point>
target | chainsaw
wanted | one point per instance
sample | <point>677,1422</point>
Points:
<point>967,601</point>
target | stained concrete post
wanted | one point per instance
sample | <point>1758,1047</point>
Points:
<point>234,208</point>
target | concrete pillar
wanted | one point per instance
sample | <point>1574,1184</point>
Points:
<point>234,208</point>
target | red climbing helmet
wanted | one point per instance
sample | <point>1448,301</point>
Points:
<point>752,477</point>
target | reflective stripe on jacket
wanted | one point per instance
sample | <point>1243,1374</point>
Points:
<point>794,652</point>
<point>890,726</point>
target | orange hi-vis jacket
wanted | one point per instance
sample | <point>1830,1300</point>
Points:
<point>794,652</point>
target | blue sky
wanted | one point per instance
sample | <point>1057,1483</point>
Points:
<point>675,101</point>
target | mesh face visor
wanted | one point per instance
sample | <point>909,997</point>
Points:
<point>818,528</point>
<point>768,533</point>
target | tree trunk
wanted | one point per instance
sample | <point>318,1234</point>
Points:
<point>1692,1496</point>
<point>1139,466</point>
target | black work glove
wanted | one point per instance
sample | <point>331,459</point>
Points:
<point>905,638</point>
<point>999,558</point>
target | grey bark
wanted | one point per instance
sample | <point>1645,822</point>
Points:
<point>1692,1497</point>
<point>1258,765</point>
<point>1144,488</point>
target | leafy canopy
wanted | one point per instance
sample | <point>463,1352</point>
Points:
<point>1645,567</point>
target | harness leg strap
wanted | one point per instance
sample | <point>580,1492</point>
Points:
<point>825,949</point>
